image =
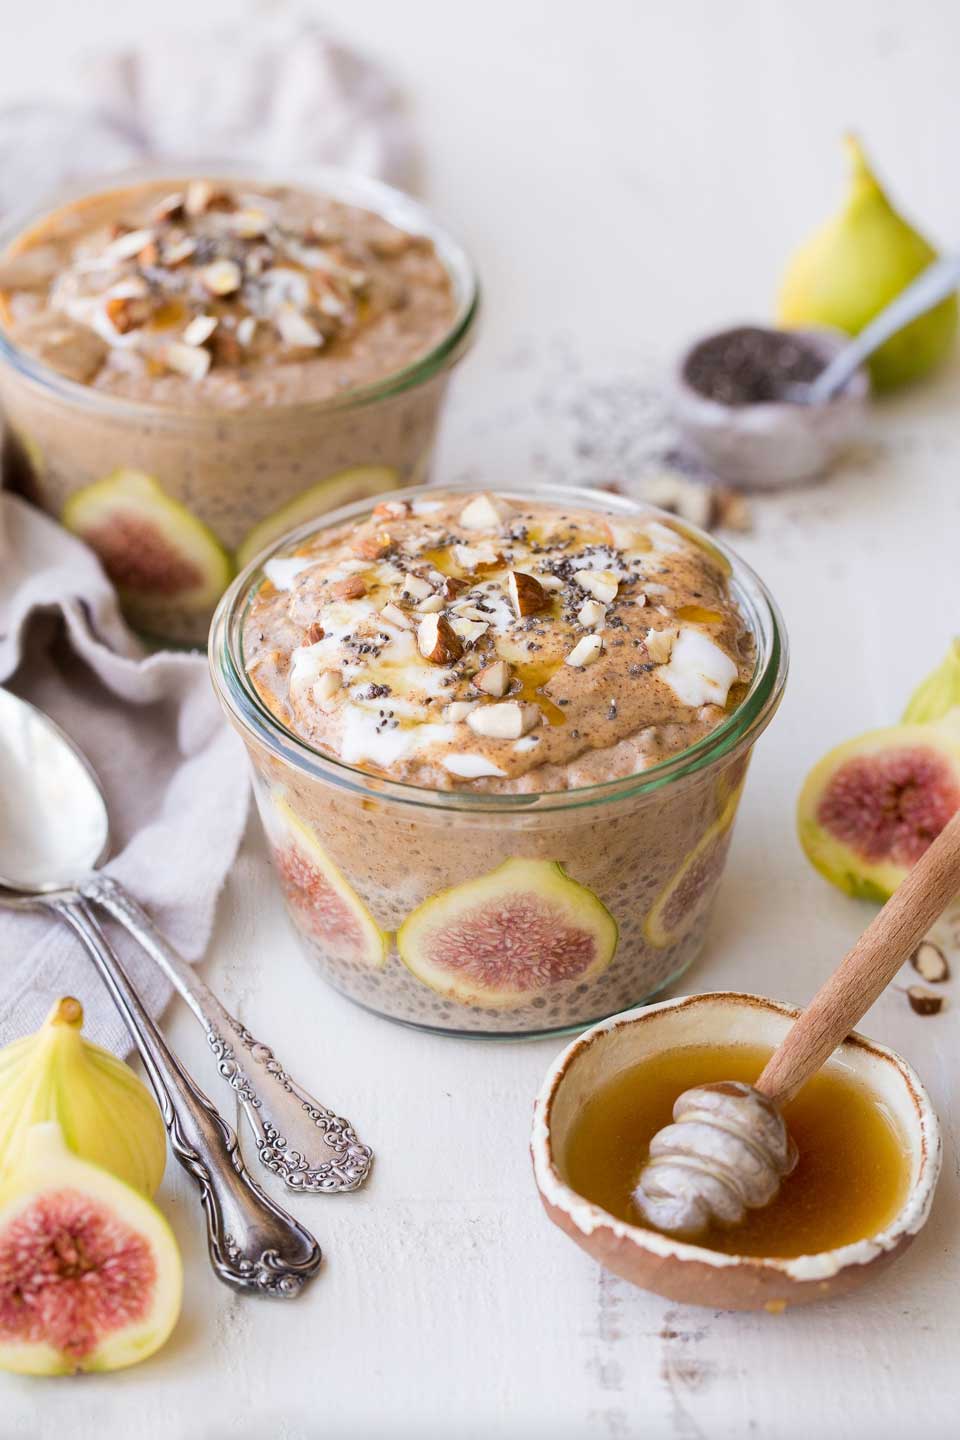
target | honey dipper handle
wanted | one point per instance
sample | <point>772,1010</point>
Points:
<point>867,969</point>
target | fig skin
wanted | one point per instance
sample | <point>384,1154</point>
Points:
<point>939,694</point>
<point>875,877</point>
<point>329,494</point>
<point>105,1112</point>
<point>90,1273</point>
<point>852,267</point>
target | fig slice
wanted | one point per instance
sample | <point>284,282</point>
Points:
<point>90,1273</point>
<point>355,484</point>
<point>164,562</point>
<point>869,809</point>
<point>326,906</point>
<point>676,908</point>
<point>508,936</point>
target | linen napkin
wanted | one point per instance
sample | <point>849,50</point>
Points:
<point>173,773</point>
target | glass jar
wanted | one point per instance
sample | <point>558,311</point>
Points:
<point>241,474</point>
<point>602,893</point>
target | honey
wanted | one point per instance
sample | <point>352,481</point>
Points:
<point>850,1181</point>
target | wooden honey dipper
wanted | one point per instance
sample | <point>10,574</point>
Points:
<point>728,1148</point>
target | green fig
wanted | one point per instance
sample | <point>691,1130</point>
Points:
<point>854,266</point>
<point>936,696</point>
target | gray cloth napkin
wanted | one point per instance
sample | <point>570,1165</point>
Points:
<point>173,773</point>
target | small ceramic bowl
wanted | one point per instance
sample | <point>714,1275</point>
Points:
<point>689,1273</point>
<point>761,447</point>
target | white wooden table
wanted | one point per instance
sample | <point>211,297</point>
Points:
<point>689,145</point>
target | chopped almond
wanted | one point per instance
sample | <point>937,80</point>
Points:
<point>352,588</point>
<point>507,721</point>
<point>527,595</point>
<point>494,679</point>
<point>437,641</point>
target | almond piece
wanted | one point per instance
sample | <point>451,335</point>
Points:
<point>326,686</point>
<point>248,224</point>
<point>416,588</point>
<point>471,557</point>
<point>924,1002</point>
<point>660,644</point>
<point>201,327</point>
<point>494,679</point>
<point>506,721</point>
<point>431,605</point>
<point>640,599</point>
<point>352,588</point>
<point>201,196</point>
<point>469,630</point>
<point>222,277</point>
<point>295,329</point>
<point>485,512</point>
<point>549,582</point>
<point>585,652</point>
<point>395,616</point>
<point>127,312</point>
<point>452,587</point>
<point>527,595</point>
<point>591,613</point>
<point>930,962</point>
<point>390,510</point>
<point>373,547</point>
<point>437,641</point>
<point>601,584</point>
<point>315,633</point>
<point>128,245</point>
<point>190,360</point>
<point>177,251</point>
<point>458,710</point>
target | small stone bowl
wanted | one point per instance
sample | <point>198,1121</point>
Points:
<point>764,446</point>
<point>690,1273</point>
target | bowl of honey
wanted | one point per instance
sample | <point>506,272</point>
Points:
<point>867,1134</point>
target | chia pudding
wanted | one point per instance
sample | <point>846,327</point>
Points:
<point>190,366</point>
<point>498,743</point>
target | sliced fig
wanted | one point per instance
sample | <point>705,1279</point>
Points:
<point>870,808</point>
<point>509,935</point>
<point>681,900</point>
<point>939,693</point>
<point>329,494</point>
<point>325,903</point>
<point>164,562</point>
<point>90,1273</point>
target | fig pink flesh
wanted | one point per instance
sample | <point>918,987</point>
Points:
<point>892,805</point>
<point>137,557</point>
<point>323,910</point>
<point>70,1273</point>
<point>521,944</point>
<point>697,880</point>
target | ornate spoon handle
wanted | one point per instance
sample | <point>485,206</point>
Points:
<point>254,1245</point>
<point>309,1147</point>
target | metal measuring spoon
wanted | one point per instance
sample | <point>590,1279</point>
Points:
<point>54,832</point>
<point>53,825</point>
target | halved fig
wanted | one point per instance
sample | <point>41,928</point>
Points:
<point>681,900</point>
<point>90,1273</point>
<point>324,902</point>
<point>871,807</point>
<point>329,494</point>
<point>508,936</point>
<point>164,562</point>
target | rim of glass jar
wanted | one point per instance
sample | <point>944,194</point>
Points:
<point>362,190</point>
<point>241,700</point>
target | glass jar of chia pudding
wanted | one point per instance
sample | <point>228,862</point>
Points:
<point>498,742</point>
<point>193,363</point>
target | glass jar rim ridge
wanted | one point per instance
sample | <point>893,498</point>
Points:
<point>735,732</point>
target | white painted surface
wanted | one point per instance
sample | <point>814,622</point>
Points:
<point>688,145</point>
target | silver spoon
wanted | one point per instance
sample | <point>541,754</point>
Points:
<point>930,287</point>
<point>254,1245</point>
<point>54,832</point>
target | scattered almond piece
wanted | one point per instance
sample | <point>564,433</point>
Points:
<point>248,224</point>
<point>640,599</point>
<point>127,312</point>
<point>732,511</point>
<point>527,595</point>
<point>315,633</point>
<point>177,251</point>
<point>221,277</point>
<point>326,686</point>
<point>395,616</point>
<point>295,329</point>
<point>128,245</point>
<point>494,679</point>
<point>585,652</point>
<point>373,547</point>
<point>549,582</point>
<point>601,584</point>
<point>507,721</point>
<point>687,499</point>
<point>352,588</point>
<point>458,710</point>
<point>452,587</point>
<point>930,963</point>
<point>660,644</point>
<point>390,510</point>
<point>437,641</point>
<point>485,512</point>
<point>471,557</point>
<point>431,605</point>
<point>923,1001</point>
<point>246,329</point>
<point>591,613</point>
<point>201,327</point>
<point>190,360</point>
<point>469,630</point>
<point>416,588</point>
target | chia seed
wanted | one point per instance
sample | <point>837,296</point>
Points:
<point>751,366</point>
